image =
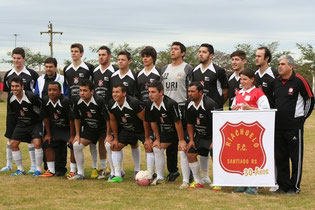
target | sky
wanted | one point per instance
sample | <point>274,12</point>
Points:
<point>223,23</point>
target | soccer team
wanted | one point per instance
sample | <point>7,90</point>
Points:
<point>167,109</point>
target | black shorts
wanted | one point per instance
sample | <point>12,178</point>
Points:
<point>92,135</point>
<point>10,124</point>
<point>202,146</point>
<point>60,134</point>
<point>27,134</point>
<point>127,137</point>
<point>168,138</point>
<point>54,144</point>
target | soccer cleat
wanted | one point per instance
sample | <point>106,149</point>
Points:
<point>184,185</point>
<point>274,189</point>
<point>77,177</point>
<point>47,174</point>
<point>6,168</point>
<point>279,191</point>
<point>70,175</point>
<point>206,180</point>
<point>94,173</point>
<point>240,190</point>
<point>251,191</point>
<point>18,173</point>
<point>37,173</point>
<point>157,181</point>
<point>194,185</point>
<point>171,177</point>
<point>115,179</point>
<point>135,174</point>
<point>110,177</point>
<point>32,170</point>
<point>103,173</point>
<point>123,173</point>
<point>217,188</point>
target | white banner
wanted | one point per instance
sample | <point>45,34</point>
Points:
<point>243,148</point>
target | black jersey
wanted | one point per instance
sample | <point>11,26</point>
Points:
<point>294,101</point>
<point>102,80</point>
<point>29,77</point>
<point>143,80</point>
<point>93,115</point>
<point>27,110</point>
<point>234,87</point>
<point>214,80</point>
<point>128,80</point>
<point>59,114</point>
<point>265,82</point>
<point>74,75</point>
<point>201,117</point>
<point>126,115</point>
<point>166,115</point>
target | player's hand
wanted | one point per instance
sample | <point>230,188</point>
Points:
<point>148,144</point>
<point>114,145</point>
<point>157,144</point>
<point>109,138</point>
<point>47,137</point>
<point>245,106</point>
<point>234,107</point>
<point>182,145</point>
<point>191,144</point>
<point>76,139</point>
<point>71,140</point>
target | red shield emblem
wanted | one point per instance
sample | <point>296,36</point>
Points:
<point>76,80</point>
<point>22,113</point>
<point>242,147</point>
<point>56,116</point>
<point>123,119</point>
<point>198,121</point>
<point>100,83</point>
<point>89,114</point>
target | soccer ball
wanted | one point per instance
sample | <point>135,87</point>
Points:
<point>143,178</point>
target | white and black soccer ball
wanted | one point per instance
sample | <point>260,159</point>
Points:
<point>143,178</point>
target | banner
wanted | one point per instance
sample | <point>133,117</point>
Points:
<point>243,148</point>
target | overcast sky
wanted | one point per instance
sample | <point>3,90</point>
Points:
<point>223,23</point>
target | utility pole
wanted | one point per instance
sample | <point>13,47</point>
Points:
<point>15,36</point>
<point>51,33</point>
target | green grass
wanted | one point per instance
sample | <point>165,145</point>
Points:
<point>26,192</point>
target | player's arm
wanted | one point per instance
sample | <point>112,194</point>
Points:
<point>225,95</point>
<point>190,130</point>
<point>47,137</point>
<point>180,133</point>
<point>72,131</point>
<point>155,129</point>
<point>77,125</point>
<point>114,127</point>
<point>308,97</point>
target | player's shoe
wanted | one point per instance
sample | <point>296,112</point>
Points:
<point>240,190</point>
<point>206,180</point>
<point>135,174</point>
<point>37,173</point>
<point>274,189</point>
<point>184,185</point>
<point>115,179</point>
<point>94,173</point>
<point>47,174</point>
<point>251,191</point>
<point>18,173</point>
<point>157,181</point>
<point>171,177</point>
<point>217,188</point>
<point>32,170</point>
<point>77,177</point>
<point>194,185</point>
<point>110,177</point>
<point>71,174</point>
<point>6,168</point>
<point>123,173</point>
<point>103,173</point>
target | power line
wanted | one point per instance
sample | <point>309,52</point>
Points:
<point>51,33</point>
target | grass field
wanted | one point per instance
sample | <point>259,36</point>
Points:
<point>26,192</point>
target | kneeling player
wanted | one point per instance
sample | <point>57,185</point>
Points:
<point>199,127</point>
<point>90,119</point>
<point>26,105</point>
<point>59,129</point>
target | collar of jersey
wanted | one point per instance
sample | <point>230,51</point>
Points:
<point>82,65</point>
<point>125,105</point>
<point>52,103</point>
<point>153,71</point>
<point>242,91</point>
<point>234,76</point>
<point>129,73</point>
<point>91,101</point>
<point>268,71</point>
<point>210,67</point>
<point>158,107</point>
<point>24,70</point>
<point>24,98</point>
<point>192,103</point>
<point>110,68</point>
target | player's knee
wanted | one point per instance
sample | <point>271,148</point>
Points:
<point>192,157</point>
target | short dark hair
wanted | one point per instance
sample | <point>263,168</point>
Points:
<point>126,53</point>
<point>19,51</point>
<point>267,53</point>
<point>156,84</point>
<point>238,53</point>
<point>88,83</point>
<point>209,46</point>
<point>78,45</point>
<point>51,60</point>
<point>109,52</point>
<point>123,87</point>
<point>17,79</point>
<point>150,51</point>
<point>249,73</point>
<point>181,45</point>
<point>198,85</point>
<point>55,83</point>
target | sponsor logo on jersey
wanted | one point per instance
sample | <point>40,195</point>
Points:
<point>171,86</point>
<point>179,75</point>
<point>58,112</point>
<point>81,75</point>
<point>25,109</point>
<point>106,79</point>
<point>264,84</point>
<point>200,116</point>
<point>125,84</point>
<point>152,80</point>
<point>291,91</point>
<point>165,75</point>
<point>76,80</point>
<point>202,82</point>
<point>207,79</point>
<point>100,83</point>
<point>93,111</point>
<point>247,98</point>
<point>127,115</point>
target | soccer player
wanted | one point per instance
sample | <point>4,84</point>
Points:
<point>164,115</point>
<point>101,76</point>
<point>90,121</point>
<point>126,121</point>
<point>176,77</point>
<point>238,61</point>
<point>26,106</point>
<point>59,129</point>
<point>199,127</point>
<point>265,75</point>
<point>29,77</point>
<point>74,74</point>
<point>294,102</point>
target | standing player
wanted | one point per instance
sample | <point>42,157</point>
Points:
<point>59,129</point>
<point>238,61</point>
<point>126,121</point>
<point>176,77</point>
<point>90,121</point>
<point>29,77</point>
<point>199,127</point>
<point>26,106</point>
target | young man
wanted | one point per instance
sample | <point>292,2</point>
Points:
<point>126,121</point>
<point>29,77</point>
<point>199,127</point>
<point>238,62</point>
<point>211,76</point>
<point>124,75</point>
<point>294,102</point>
<point>265,75</point>
<point>176,77</point>
<point>59,129</point>
<point>74,74</point>
<point>90,121</point>
<point>164,115</point>
<point>26,106</point>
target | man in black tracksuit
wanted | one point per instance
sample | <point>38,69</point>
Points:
<point>294,102</point>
